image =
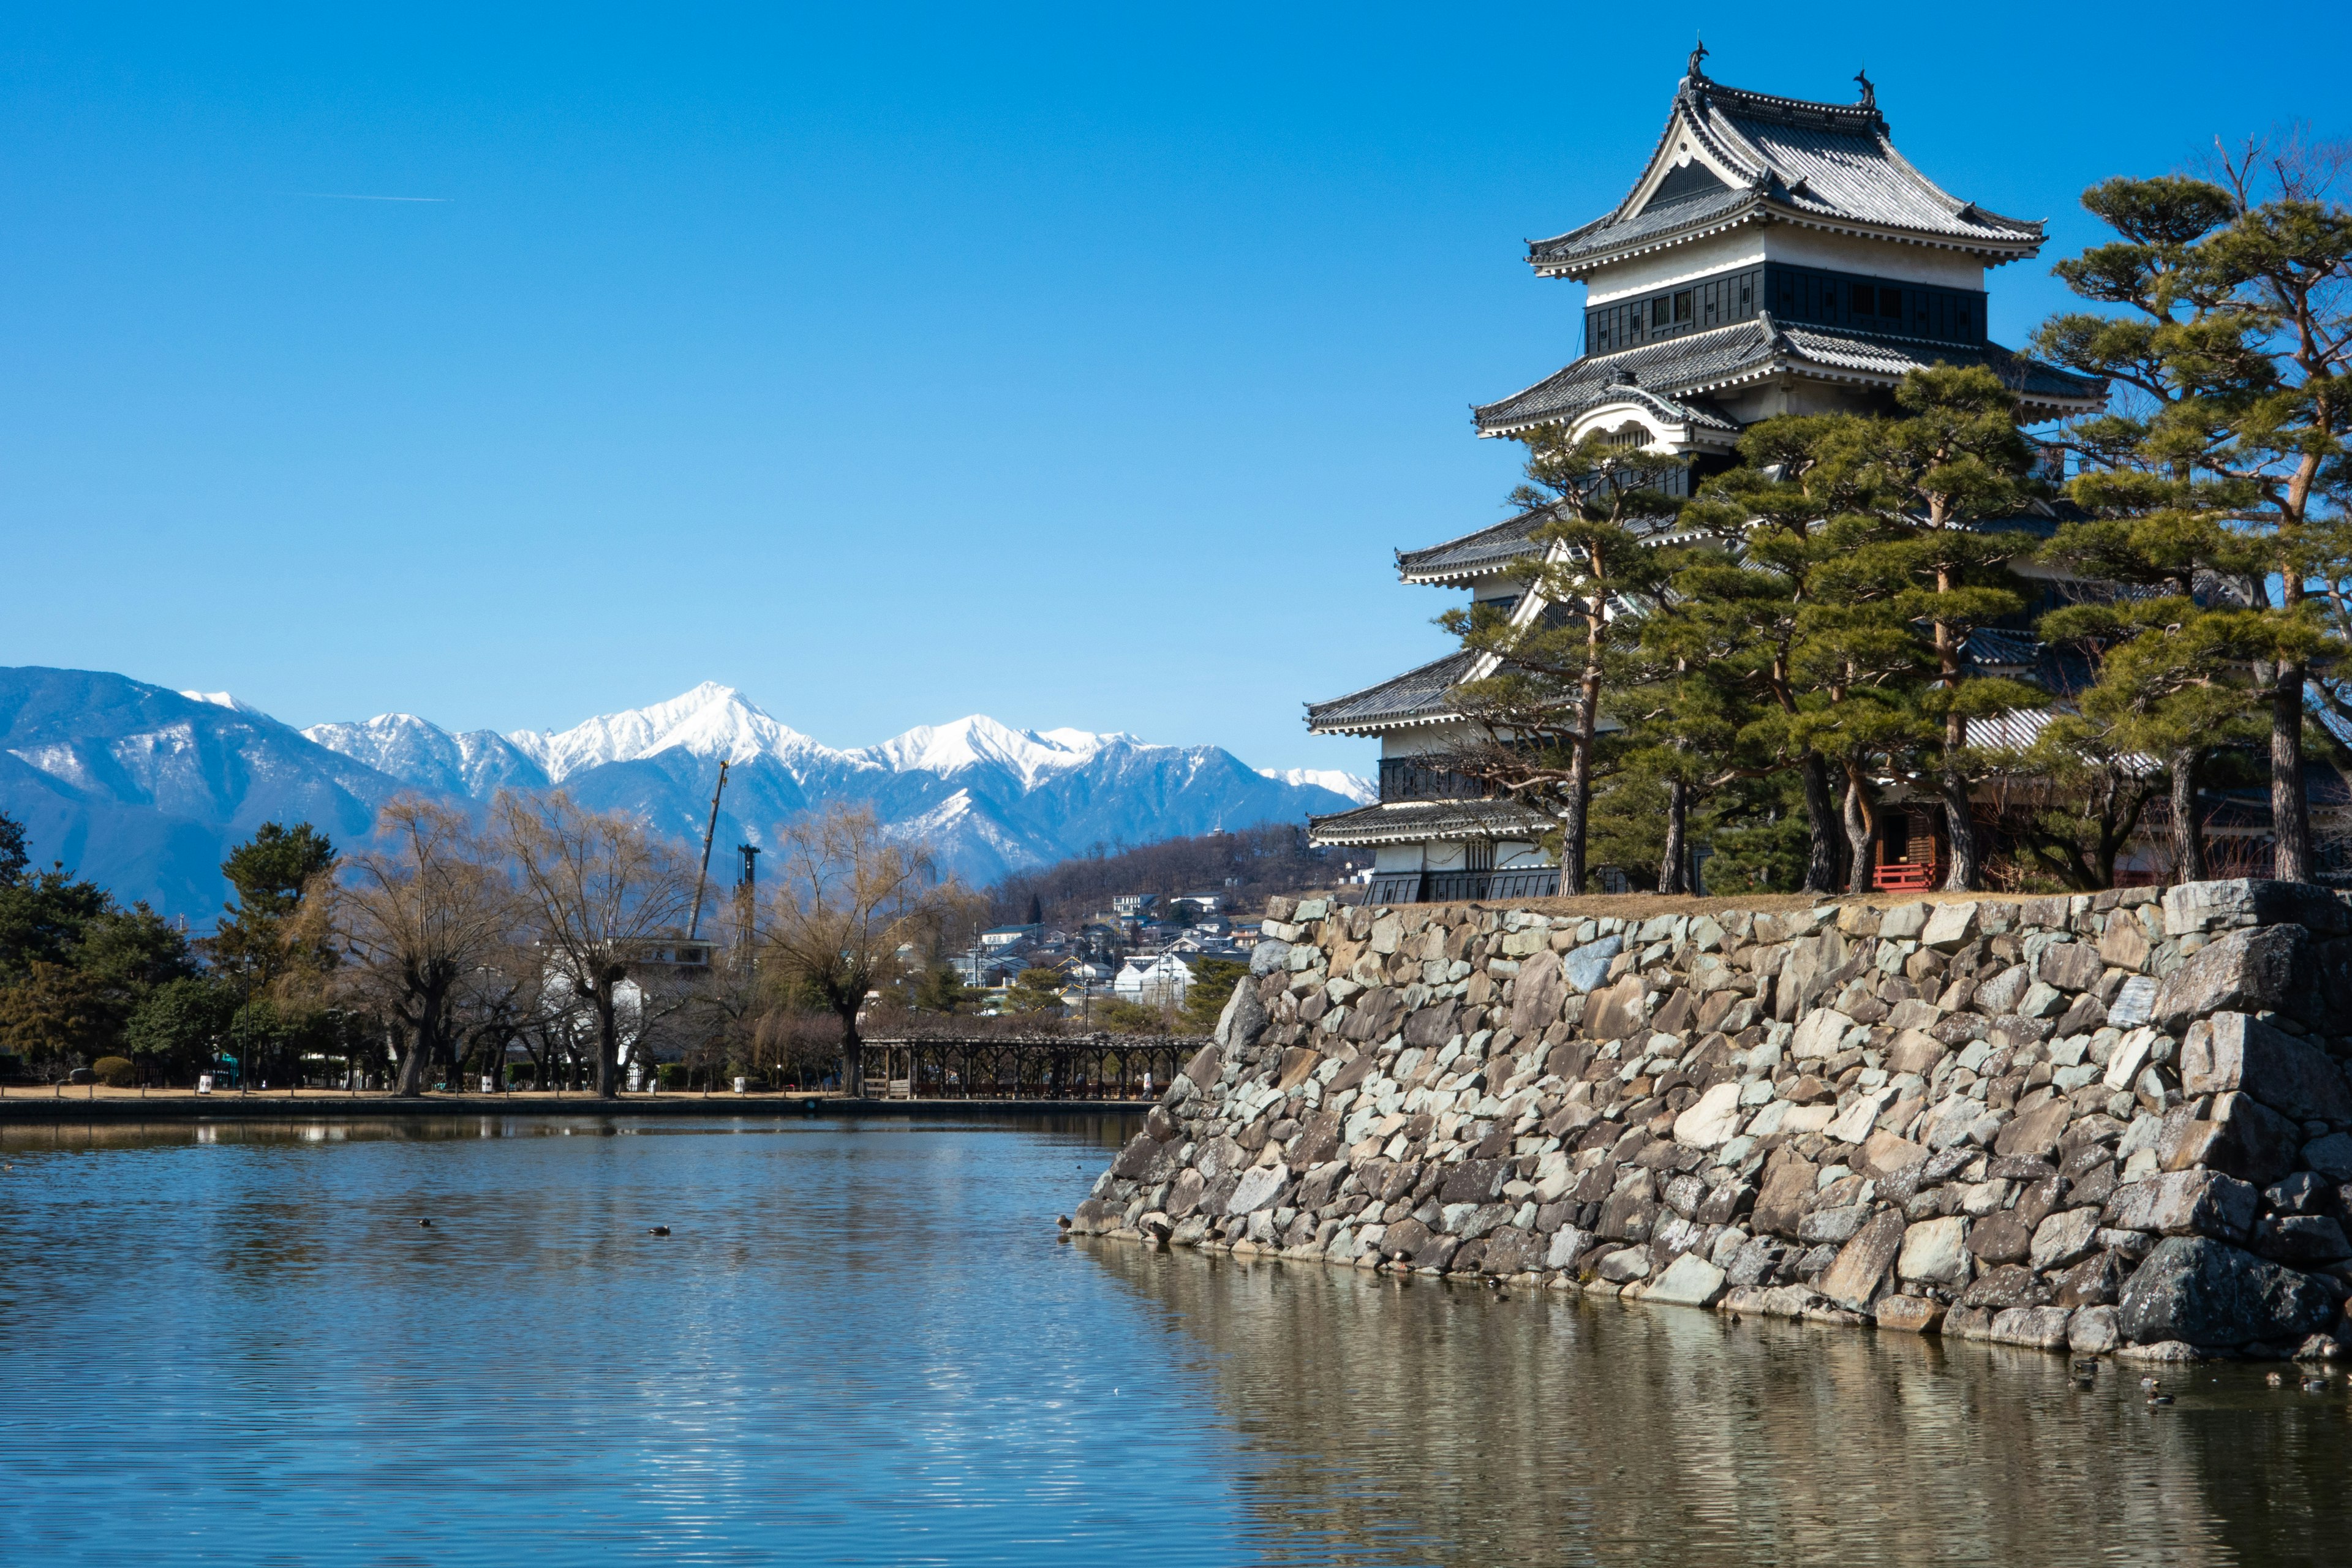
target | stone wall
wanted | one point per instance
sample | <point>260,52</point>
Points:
<point>2110,1122</point>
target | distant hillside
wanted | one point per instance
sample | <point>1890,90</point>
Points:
<point>1247,867</point>
<point>143,789</point>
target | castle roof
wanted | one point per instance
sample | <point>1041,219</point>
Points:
<point>1676,377</point>
<point>1418,696</point>
<point>1414,821</point>
<point>1475,554</point>
<point>1729,157</point>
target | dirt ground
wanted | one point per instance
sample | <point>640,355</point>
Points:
<point>1642,906</point>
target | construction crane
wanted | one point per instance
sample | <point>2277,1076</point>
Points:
<point>703,875</point>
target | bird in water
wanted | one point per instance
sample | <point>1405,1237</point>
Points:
<point>2087,1367</point>
<point>426,1223</point>
<point>2276,1381</point>
<point>2155,1394</point>
<point>658,1230</point>
<point>2316,1385</point>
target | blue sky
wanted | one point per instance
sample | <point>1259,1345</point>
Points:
<point>1077,365</point>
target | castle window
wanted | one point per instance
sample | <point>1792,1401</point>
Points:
<point>1683,311</point>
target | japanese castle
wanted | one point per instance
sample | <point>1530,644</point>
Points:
<point>1776,257</point>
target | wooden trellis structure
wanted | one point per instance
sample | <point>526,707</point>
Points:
<point>1025,1067</point>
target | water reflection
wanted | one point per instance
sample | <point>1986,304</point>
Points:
<point>1420,1422</point>
<point>862,1343</point>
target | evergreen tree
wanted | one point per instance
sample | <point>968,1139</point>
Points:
<point>12,856</point>
<point>1738,610</point>
<point>1538,713</point>
<point>262,935</point>
<point>1949,461</point>
<point>2232,342</point>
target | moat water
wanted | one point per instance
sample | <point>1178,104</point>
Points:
<point>862,1342</point>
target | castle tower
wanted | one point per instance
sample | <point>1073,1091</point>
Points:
<point>1775,257</point>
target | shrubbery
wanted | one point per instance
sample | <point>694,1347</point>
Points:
<point>115,1072</point>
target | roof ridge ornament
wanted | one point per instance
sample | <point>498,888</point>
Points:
<point>1869,93</point>
<point>1693,71</point>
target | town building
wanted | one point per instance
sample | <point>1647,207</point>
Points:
<point>1775,256</point>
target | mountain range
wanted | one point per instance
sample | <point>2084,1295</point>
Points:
<point>142,788</point>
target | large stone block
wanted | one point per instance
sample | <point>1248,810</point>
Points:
<point>2186,1203</point>
<point>1617,1013</point>
<point>2231,1050</point>
<point>2244,1138</point>
<point>1537,994</point>
<point>2035,1134</point>
<point>1934,1252</point>
<point>1260,1186</point>
<point>1475,1182</point>
<point>2062,1238</point>
<point>2269,970</point>
<point>2215,1296</point>
<point>1909,1315</point>
<point>1242,1021</point>
<point>2070,966</point>
<point>1856,1276</point>
<point>1689,1280</point>
<point>1821,1033</point>
<point>2042,1328</point>
<point>1712,1119</point>
<point>1950,926</point>
<point>1855,1119</point>
<point>2001,1237</point>
<point>2195,906</point>
<point>1588,966</point>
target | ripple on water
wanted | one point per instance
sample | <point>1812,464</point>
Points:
<point>861,1342</point>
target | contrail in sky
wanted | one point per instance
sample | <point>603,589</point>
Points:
<point>339,197</point>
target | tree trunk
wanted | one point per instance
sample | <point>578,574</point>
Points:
<point>608,1045</point>
<point>853,1056</point>
<point>1671,877</point>
<point>1966,873</point>
<point>1580,779</point>
<point>414,1061</point>
<point>1861,829</point>
<point>1820,822</point>
<point>2187,825</point>
<point>2290,814</point>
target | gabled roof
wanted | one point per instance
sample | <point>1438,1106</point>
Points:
<point>1729,157</point>
<point>1418,696</point>
<point>1487,551</point>
<point>1679,372</point>
<point>1414,821</point>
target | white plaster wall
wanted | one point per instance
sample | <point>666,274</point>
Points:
<point>1750,245</point>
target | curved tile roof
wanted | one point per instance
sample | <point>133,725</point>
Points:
<point>1671,371</point>
<point>1832,163</point>
<point>1417,694</point>
<point>1412,821</point>
<point>1473,554</point>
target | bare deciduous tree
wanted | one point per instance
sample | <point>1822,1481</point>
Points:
<point>850,896</point>
<point>601,896</point>
<point>417,913</point>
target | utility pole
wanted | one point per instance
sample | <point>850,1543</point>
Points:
<point>703,875</point>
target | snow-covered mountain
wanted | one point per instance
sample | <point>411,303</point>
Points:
<point>1355,787</point>
<point>476,763</point>
<point>144,789</point>
<point>990,798</point>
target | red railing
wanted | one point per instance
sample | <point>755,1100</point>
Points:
<point>1904,876</point>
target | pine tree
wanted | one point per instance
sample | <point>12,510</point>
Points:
<point>1949,461</point>
<point>2233,341</point>
<point>1539,714</point>
<point>1739,607</point>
